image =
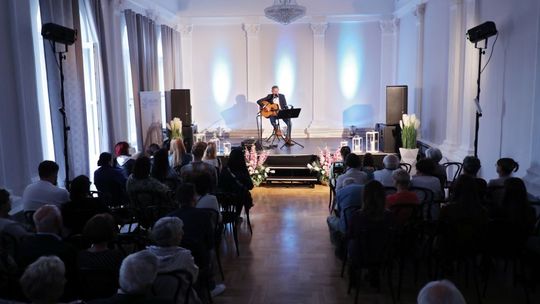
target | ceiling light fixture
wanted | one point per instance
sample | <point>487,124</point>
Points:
<point>285,11</point>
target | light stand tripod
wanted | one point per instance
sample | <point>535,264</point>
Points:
<point>481,52</point>
<point>62,109</point>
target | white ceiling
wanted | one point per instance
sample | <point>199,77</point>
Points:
<point>235,8</point>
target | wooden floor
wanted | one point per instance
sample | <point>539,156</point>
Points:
<point>289,258</point>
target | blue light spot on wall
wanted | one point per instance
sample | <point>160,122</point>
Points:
<point>285,76</point>
<point>349,62</point>
<point>221,78</point>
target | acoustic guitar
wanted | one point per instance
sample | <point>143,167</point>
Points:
<point>269,109</point>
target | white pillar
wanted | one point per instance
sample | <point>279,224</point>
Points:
<point>253,61</point>
<point>450,146</point>
<point>470,71</point>
<point>389,57</point>
<point>320,126</point>
<point>419,12</point>
<point>186,31</point>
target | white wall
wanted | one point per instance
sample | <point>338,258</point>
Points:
<point>407,47</point>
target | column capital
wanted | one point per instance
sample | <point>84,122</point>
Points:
<point>420,10</point>
<point>252,29</point>
<point>389,26</point>
<point>319,28</point>
<point>185,30</point>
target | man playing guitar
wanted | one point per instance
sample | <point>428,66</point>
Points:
<point>271,104</point>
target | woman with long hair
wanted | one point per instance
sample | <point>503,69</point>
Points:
<point>162,171</point>
<point>124,161</point>
<point>235,178</point>
<point>178,155</point>
<point>210,156</point>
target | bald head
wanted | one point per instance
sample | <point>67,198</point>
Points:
<point>48,219</point>
<point>440,292</point>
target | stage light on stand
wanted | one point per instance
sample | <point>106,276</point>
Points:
<point>357,142</point>
<point>372,141</point>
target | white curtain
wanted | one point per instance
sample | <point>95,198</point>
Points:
<point>106,24</point>
<point>66,13</point>
<point>142,40</point>
<point>172,58</point>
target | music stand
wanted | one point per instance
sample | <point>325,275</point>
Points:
<point>290,114</point>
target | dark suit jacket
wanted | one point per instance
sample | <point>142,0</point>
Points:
<point>270,98</point>
<point>131,299</point>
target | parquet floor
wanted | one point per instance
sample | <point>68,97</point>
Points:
<point>289,258</point>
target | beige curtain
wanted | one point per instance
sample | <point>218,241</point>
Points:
<point>172,58</point>
<point>142,40</point>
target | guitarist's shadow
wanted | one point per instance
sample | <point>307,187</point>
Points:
<point>241,115</point>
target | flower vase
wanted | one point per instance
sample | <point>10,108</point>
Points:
<point>409,156</point>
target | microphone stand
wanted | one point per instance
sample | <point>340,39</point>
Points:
<point>62,110</point>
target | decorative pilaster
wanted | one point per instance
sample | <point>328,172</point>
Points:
<point>186,31</point>
<point>389,55</point>
<point>318,116</point>
<point>253,60</point>
<point>419,12</point>
<point>450,145</point>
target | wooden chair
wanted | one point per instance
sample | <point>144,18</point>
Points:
<point>172,284</point>
<point>406,166</point>
<point>337,169</point>
<point>347,214</point>
<point>218,228</point>
<point>453,171</point>
<point>229,203</point>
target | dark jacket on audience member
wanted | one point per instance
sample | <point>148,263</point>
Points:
<point>77,213</point>
<point>132,299</point>
<point>107,265</point>
<point>198,233</point>
<point>111,182</point>
<point>369,237</point>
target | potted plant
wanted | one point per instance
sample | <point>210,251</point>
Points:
<point>409,129</point>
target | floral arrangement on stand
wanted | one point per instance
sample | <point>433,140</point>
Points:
<point>175,128</point>
<point>323,164</point>
<point>255,164</point>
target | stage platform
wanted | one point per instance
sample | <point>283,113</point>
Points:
<point>290,163</point>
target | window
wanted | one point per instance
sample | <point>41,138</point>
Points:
<point>161,77</point>
<point>92,88</point>
<point>132,125</point>
<point>46,130</point>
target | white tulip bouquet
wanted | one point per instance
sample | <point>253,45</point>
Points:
<point>175,127</point>
<point>409,128</point>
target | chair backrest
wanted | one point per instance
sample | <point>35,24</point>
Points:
<point>453,170</point>
<point>406,166</point>
<point>147,216</point>
<point>129,243</point>
<point>215,224</point>
<point>373,244</point>
<point>407,214</point>
<point>176,285</point>
<point>430,209</point>
<point>140,199</point>
<point>228,201</point>
<point>338,168</point>
<point>347,214</point>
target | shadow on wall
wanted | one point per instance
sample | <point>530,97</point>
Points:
<point>241,115</point>
<point>359,115</point>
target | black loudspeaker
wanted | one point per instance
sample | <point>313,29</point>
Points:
<point>390,137</point>
<point>187,133</point>
<point>180,106</point>
<point>396,103</point>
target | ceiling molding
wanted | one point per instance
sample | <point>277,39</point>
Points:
<point>405,7</point>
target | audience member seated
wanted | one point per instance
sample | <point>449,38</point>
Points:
<point>167,234</point>
<point>198,230</point>
<point>463,220</point>
<point>515,206</point>
<point>162,171</point>
<point>210,156</point>
<point>204,199</point>
<point>99,265</point>
<point>110,181</point>
<point>425,178</point>
<point>505,167</point>
<point>402,180</point>
<point>343,152</point>
<point>137,275</point>
<point>141,181</point>
<point>368,166</point>
<point>384,176</point>
<point>438,292</point>
<point>370,230</point>
<point>198,166</point>
<point>351,195</point>
<point>354,171</point>
<point>178,156</point>
<point>471,166</point>
<point>440,171</point>
<point>235,178</point>
<point>82,205</point>
<point>152,150</point>
<point>7,225</point>
<point>45,190</point>
<point>124,161</point>
<point>43,281</point>
<point>47,241</point>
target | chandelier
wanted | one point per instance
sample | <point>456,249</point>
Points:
<point>285,11</point>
